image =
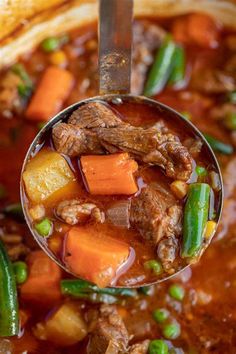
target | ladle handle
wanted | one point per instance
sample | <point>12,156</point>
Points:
<point>115,42</point>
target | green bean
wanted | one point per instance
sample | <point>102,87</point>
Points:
<point>161,68</point>
<point>24,88</point>
<point>158,346</point>
<point>195,218</point>
<point>178,70</point>
<point>78,287</point>
<point>145,290</point>
<point>218,145</point>
<point>21,271</point>
<point>9,318</point>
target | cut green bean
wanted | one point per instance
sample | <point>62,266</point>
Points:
<point>158,346</point>
<point>21,271</point>
<point>161,68</point>
<point>9,317</point>
<point>178,70</point>
<point>218,145</point>
<point>44,227</point>
<point>201,171</point>
<point>78,287</point>
<point>24,88</point>
<point>195,217</point>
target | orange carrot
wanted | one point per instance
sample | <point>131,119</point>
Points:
<point>110,174</point>
<point>42,284</point>
<point>50,94</point>
<point>196,28</point>
<point>93,255</point>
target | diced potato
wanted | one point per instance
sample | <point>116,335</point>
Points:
<point>65,327</point>
<point>37,212</point>
<point>179,188</point>
<point>45,174</point>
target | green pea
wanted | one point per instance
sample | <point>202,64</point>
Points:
<point>50,44</point>
<point>160,315</point>
<point>44,227</point>
<point>158,346</point>
<point>171,331</point>
<point>154,266</point>
<point>176,292</point>
<point>201,171</point>
<point>21,271</point>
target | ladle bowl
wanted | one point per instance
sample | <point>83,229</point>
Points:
<point>114,64</point>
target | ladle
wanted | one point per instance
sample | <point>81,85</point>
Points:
<point>115,41</point>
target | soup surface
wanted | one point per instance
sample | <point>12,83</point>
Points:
<point>193,312</point>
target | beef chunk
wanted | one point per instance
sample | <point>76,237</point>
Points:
<point>139,348</point>
<point>94,115</point>
<point>105,131</point>
<point>73,141</point>
<point>74,211</point>
<point>167,252</point>
<point>110,335</point>
<point>151,146</point>
<point>156,214</point>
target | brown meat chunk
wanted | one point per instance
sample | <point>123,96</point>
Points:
<point>73,141</point>
<point>167,251</point>
<point>156,214</point>
<point>139,348</point>
<point>110,335</point>
<point>151,146</point>
<point>94,115</point>
<point>74,211</point>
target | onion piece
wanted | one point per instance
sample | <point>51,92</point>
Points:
<point>118,213</point>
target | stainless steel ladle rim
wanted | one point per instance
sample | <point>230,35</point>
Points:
<point>62,116</point>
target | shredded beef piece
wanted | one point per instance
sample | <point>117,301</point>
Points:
<point>155,214</point>
<point>149,145</point>
<point>74,211</point>
<point>110,335</point>
<point>94,115</point>
<point>194,146</point>
<point>73,141</point>
<point>139,348</point>
<point>167,251</point>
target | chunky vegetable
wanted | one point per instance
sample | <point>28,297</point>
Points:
<point>66,326</point>
<point>52,91</point>
<point>93,255</point>
<point>201,171</point>
<point>195,218</point>
<point>161,68</point>
<point>176,292</point>
<point>44,227</point>
<point>42,284</point>
<point>21,271</point>
<point>26,86</point>
<point>154,266</point>
<point>110,174</point>
<point>171,330</point>
<point>9,317</point>
<point>45,174</point>
<point>160,315</point>
<point>78,287</point>
<point>158,346</point>
<point>179,188</point>
<point>218,145</point>
<point>178,71</point>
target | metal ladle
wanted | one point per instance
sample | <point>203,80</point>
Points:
<point>115,42</point>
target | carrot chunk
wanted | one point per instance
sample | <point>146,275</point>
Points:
<point>42,284</point>
<point>52,91</point>
<point>94,256</point>
<point>110,174</point>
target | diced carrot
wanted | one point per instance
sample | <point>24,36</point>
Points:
<point>110,174</point>
<point>52,91</point>
<point>42,284</point>
<point>196,28</point>
<point>94,256</point>
<point>203,30</point>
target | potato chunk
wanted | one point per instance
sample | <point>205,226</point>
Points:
<point>45,174</point>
